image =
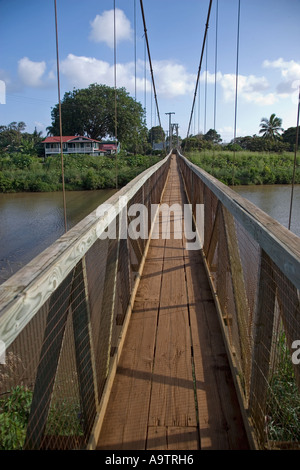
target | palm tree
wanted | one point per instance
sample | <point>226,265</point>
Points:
<point>270,127</point>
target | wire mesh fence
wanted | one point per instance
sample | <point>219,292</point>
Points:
<point>62,318</point>
<point>254,266</point>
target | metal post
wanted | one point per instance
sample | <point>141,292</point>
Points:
<point>170,131</point>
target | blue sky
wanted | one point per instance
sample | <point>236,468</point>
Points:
<point>269,59</point>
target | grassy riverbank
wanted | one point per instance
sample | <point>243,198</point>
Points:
<point>22,173</point>
<point>245,168</point>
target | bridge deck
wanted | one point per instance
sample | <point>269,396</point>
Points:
<point>173,388</point>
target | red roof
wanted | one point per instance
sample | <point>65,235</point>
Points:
<point>68,138</point>
<point>108,146</point>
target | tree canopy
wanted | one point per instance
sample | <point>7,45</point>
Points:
<point>13,138</point>
<point>156,134</point>
<point>91,112</point>
<point>270,128</point>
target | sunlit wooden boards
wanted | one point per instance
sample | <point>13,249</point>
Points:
<point>173,388</point>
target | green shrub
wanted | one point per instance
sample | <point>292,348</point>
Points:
<point>20,172</point>
<point>14,414</point>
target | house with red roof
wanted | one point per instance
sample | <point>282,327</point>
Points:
<point>77,144</point>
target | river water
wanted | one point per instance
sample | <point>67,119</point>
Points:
<point>30,222</point>
<point>275,200</point>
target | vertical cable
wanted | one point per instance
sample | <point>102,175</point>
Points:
<point>199,107</point>
<point>135,50</point>
<point>60,123</point>
<point>295,161</point>
<point>205,98</point>
<point>236,86</point>
<point>216,69</point>
<point>145,77</point>
<point>115,85</point>
<point>216,64</point>
<point>150,62</point>
<point>199,68</point>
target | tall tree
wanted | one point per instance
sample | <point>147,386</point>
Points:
<point>156,134</point>
<point>213,136</point>
<point>289,136</point>
<point>270,128</point>
<point>91,112</point>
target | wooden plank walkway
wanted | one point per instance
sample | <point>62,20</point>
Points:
<point>173,388</point>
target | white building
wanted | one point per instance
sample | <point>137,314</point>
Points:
<point>78,144</point>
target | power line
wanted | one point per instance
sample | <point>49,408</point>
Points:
<point>199,69</point>
<point>150,62</point>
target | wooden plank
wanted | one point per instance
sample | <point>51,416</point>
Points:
<point>125,423</point>
<point>172,438</point>
<point>172,398</point>
<point>152,404</point>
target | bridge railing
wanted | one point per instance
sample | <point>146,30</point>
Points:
<point>63,319</point>
<point>254,268</point>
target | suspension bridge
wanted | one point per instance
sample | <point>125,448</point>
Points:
<point>166,341</point>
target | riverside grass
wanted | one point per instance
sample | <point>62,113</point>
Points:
<point>25,173</point>
<point>247,168</point>
<point>21,172</point>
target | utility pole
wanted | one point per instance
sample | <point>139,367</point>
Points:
<point>175,126</point>
<point>170,131</point>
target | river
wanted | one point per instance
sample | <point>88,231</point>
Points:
<point>275,200</point>
<point>30,222</point>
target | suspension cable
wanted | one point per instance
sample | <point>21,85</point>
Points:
<point>60,123</point>
<point>236,87</point>
<point>150,63</point>
<point>295,161</point>
<point>205,88</point>
<point>199,69</point>
<point>216,64</point>
<point>135,50</point>
<point>115,86</point>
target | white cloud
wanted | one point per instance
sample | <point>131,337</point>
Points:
<point>290,74</point>
<point>31,73</point>
<point>103,27</point>
<point>81,71</point>
<point>172,79</point>
<point>251,89</point>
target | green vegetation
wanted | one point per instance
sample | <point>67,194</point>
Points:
<point>245,160</point>
<point>91,112</point>
<point>14,414</point>
<point>23,172</point>
<point>268,159</point>
<point>63,419</point>
<point>244,167</point>
<point>283,405</point>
